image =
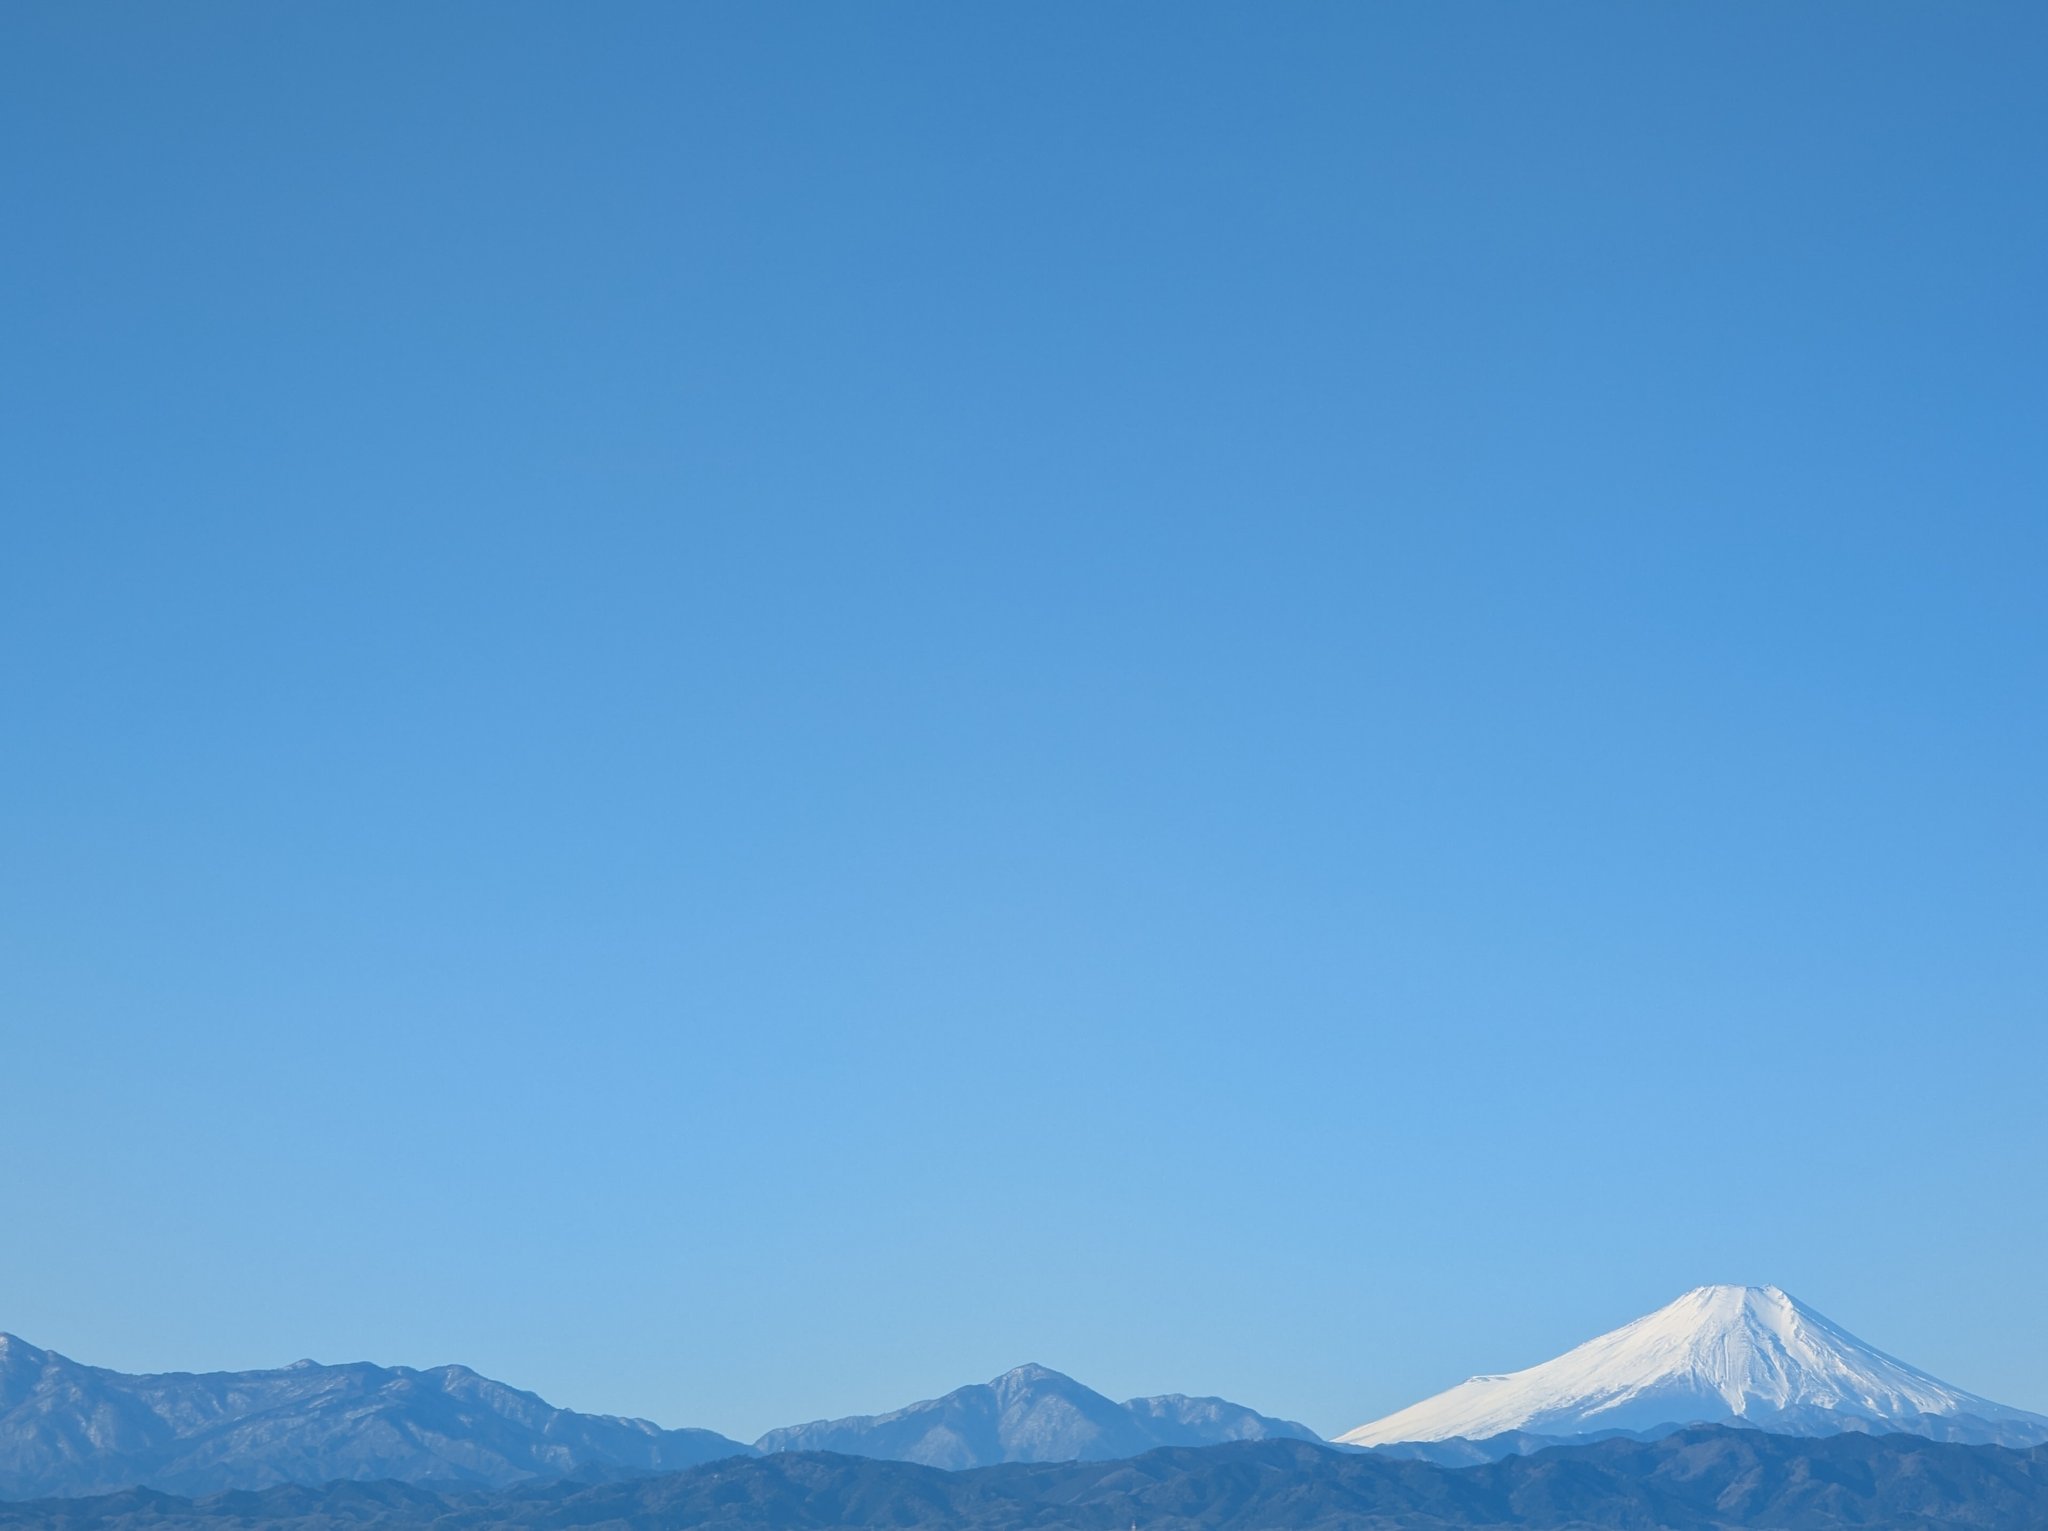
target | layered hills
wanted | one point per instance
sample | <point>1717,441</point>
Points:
<point>1705,1479</point>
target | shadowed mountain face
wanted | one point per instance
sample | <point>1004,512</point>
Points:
<point>72,1429</point>
<point>1707,1479</point>
<point>1032,1414</point>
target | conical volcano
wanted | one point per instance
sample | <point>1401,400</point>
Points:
<point>1727,1354</point>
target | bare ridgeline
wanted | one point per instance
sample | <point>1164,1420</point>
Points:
<point>1730,1407</point>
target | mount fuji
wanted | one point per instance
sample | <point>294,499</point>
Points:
<point>1741,1355</point>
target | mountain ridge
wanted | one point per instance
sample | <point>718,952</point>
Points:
<point>66,1427</point>
<point>69,1429</point>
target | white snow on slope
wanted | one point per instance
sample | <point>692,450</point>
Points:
<point>1748,1354</point>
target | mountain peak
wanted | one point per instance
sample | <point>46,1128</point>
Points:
<point>1726,1300</point>
<point>1743,1315</point>
<point>1737,1291</point>
<point>15,1349</point>
<point>1749,1354</point>
<point>1031,1374</point>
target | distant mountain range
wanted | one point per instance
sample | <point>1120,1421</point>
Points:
<point>1747,1356</point>
<point>1704,1479</point>
<point>70,1429</point>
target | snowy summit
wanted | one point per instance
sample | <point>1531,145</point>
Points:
<point>1732,1354</point>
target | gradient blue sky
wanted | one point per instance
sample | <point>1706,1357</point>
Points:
<point>743,711</point>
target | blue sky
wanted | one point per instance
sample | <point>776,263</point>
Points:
<point>745,711</point>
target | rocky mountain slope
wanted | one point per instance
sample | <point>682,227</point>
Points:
<point>66,1428</point>
<point>1033,1414</point>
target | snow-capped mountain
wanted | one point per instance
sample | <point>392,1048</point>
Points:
<point>1733,1354</point>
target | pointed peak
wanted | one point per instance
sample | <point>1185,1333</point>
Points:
<point>1030,1383</point>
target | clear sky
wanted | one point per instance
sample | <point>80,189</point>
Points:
<point>745,710</point>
